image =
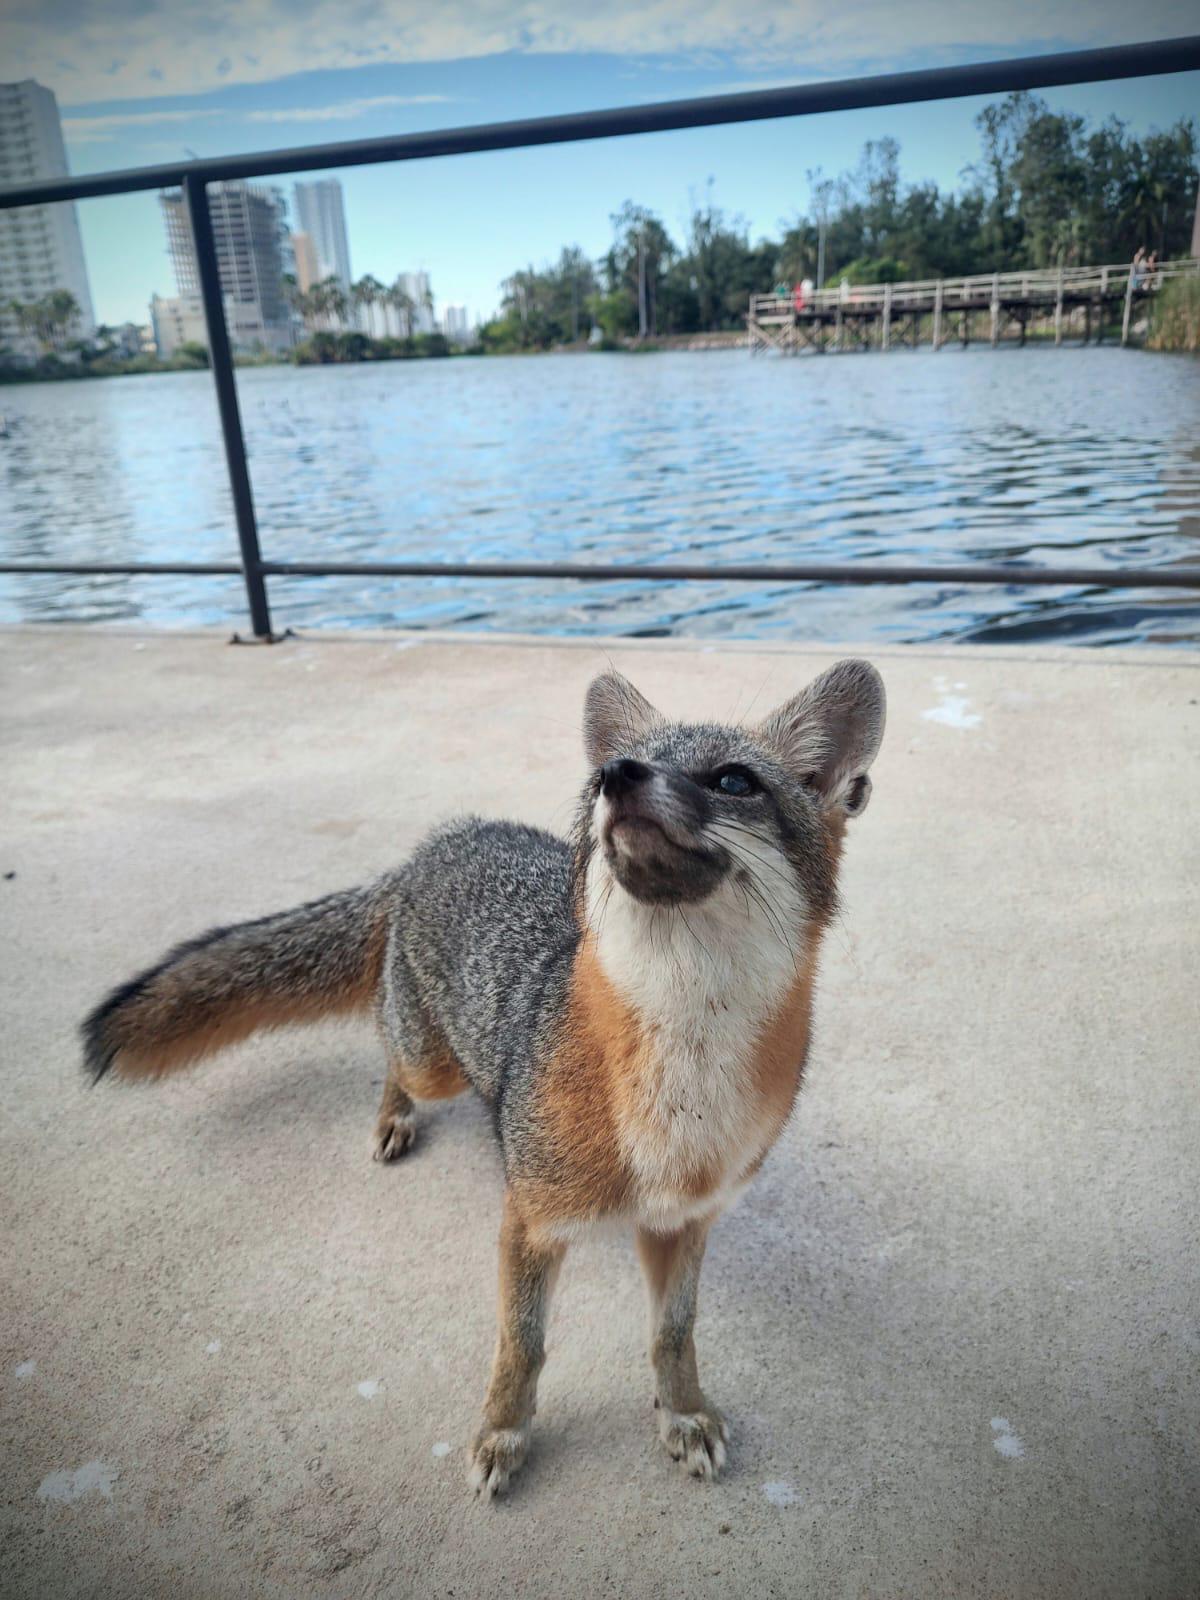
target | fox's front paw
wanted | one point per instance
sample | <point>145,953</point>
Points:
<point>496,1454</point>
<point>697,1438</point>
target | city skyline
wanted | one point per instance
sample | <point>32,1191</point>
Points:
<point>257,250</point>
<point>255,78</point>
<point>467,221</point>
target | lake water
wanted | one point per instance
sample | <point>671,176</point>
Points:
<point>1041,455</point>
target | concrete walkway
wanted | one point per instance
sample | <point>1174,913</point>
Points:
<point>956,1322</point>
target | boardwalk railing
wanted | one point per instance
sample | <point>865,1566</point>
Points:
<point>1040,286</point>
<point>904,88</point>
<point>872,315</point>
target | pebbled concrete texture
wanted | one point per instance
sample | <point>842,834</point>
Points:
<point>955,1323</point>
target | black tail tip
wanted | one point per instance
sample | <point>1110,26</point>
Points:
<point>95,1031</point>
<point>98,1053</point>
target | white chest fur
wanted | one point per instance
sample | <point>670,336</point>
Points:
<point>704,981</point>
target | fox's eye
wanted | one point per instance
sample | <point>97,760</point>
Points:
<point>736,781</point>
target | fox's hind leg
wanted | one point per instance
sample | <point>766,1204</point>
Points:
<point>421,1065</point>
<point>395,1128</point>
<point>438,1077</point>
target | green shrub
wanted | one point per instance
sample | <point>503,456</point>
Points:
<point>1175,317</point>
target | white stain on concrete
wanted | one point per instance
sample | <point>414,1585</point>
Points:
<point>211,1348</point>
<point>26,1369</point>
<point>440,1449</point>
<point>781,1494</point>
<point>64,1488</point>
<point>1005,1442</point>
<point>369,1388</point>
<point>953,709</point>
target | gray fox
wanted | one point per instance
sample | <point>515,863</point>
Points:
<point>633,1006</point>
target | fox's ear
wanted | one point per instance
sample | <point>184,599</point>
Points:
<point>830,733</point>
<point>615,716</point>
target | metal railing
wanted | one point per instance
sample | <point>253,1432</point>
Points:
<point>905,88</point>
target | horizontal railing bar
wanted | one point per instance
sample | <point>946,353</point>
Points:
<point>857,572</point>
<point>846,94</point>
<point>200,569</point>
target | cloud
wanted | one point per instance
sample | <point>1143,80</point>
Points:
<point>344,110</point>
<point>114,49</point>
<point>91,130</point>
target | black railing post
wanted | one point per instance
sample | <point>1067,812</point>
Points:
<point>220,357</point>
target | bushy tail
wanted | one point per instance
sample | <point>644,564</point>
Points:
<point>320,959</point>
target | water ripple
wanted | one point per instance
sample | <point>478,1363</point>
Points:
<point>1037,456</point>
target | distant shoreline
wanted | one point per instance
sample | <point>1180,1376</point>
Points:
<point>663,344</point>
<point>140,366</point>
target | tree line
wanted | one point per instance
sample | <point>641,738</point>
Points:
<point>326,306</point>
<point>49,321</point>
<point>1047,187</point>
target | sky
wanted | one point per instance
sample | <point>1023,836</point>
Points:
<point>140,82</point>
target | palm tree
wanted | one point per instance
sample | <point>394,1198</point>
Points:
<point>296,298</point>
<point>47,319</point>
<point>24,314</point>
<point>366,294</point>
<point>402,302</point>
<point>335,302</point>
<point>62,311</point>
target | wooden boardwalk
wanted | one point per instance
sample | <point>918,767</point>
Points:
<point>994,307</point>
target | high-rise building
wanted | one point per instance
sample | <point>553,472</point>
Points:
<point>416,287</point>
<point>321,215</point>
<point>40,247</point>
<point>456,324</point>
<point>305,256</point>
<point>249,228</point>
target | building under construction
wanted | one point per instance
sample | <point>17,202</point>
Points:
<point>249,229</point>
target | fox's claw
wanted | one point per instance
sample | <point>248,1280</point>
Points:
<point>697,1438</point>
<point>495,1456</point>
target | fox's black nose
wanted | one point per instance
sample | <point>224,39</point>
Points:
<point>618,777</point>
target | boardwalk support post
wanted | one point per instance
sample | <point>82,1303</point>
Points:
<point>995,307</point>
<point>885,331</point>
<point>1128,306</point>
<point>1058,307</point>
<point>937,315</point>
